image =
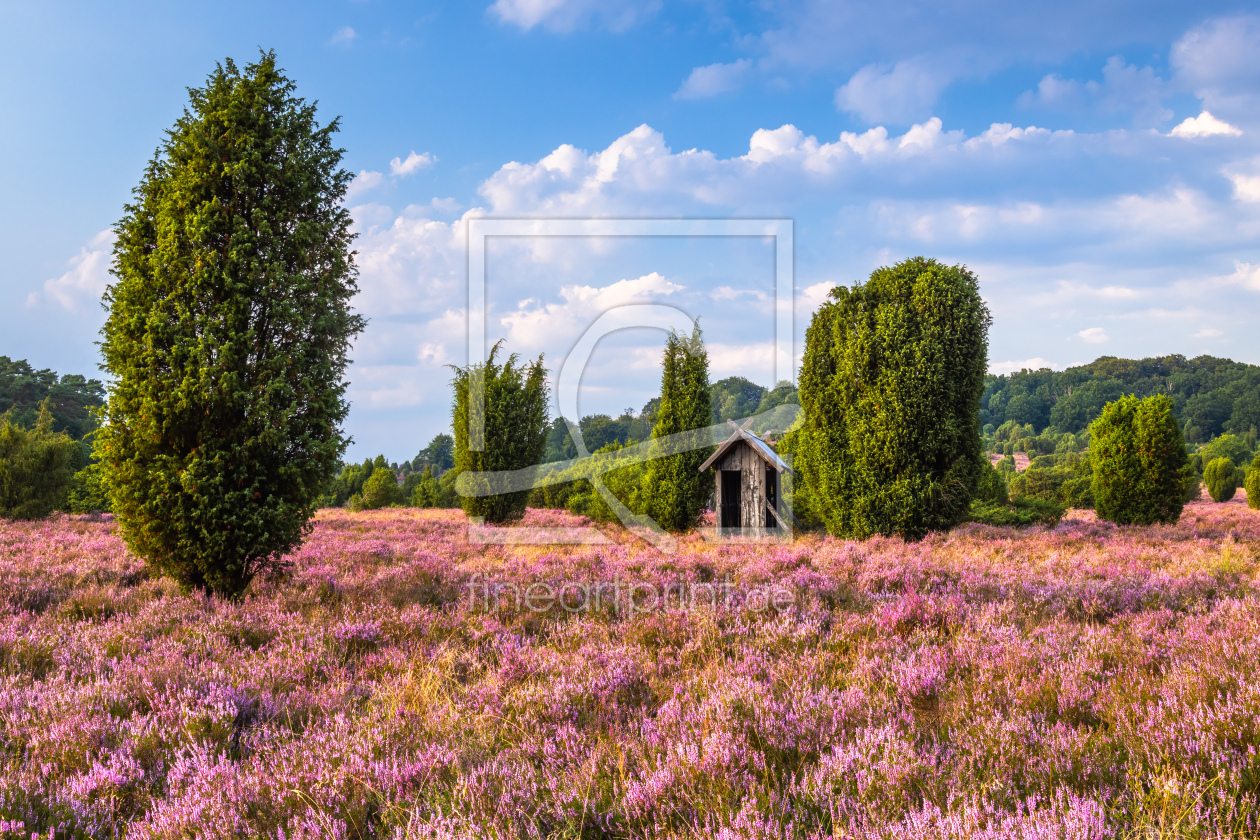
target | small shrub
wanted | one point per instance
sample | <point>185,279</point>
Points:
<point>992,487</point>
<point>89,492</point>
<point>1219,477</point>
<point>1253,485</point>
<point>379,491</point>
<point>426,492</point>
<point>1020,512</point>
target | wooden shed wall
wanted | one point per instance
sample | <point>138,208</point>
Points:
<point>752,480</point>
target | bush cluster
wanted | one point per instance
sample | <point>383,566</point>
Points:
<point>37,466</point>
<point>1219,476</point>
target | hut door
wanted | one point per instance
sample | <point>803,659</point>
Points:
<point>730,499</point>
<point>772,498</point>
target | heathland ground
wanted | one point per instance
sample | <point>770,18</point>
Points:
<point>1081,681</point>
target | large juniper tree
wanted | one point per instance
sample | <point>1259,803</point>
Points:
<point>1142,474</point>
<point>674,488</point>
<point>890,386</point>
<point>228,332</point>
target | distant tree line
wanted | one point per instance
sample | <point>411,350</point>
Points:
<point>1210,396</point>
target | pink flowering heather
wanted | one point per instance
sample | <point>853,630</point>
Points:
<point>1084,681</point>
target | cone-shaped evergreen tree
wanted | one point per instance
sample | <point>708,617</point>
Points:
<point>515,428</point>
<point>890,386</point>
<point>674,488</point>
<point>228,332</point>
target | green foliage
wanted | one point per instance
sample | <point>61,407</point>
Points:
<point>228,333</point>
<point>625,482</point>
<point>70,398</point>
<point>1221,480</point>
<point>1139,461</point>
<point>891,384</point>
<point>426,492</point>
<point>992,487</point>
<point>1020,512</point>
<point>734,398</point>
<point>1210,395</point>
<point>515,428</point>
<point>447,497</point>
<point>439,454</point>
<point>89,490</point>
<point>379,491</point>
<point>1252,484</point>
<point>1232,447</point>
<point>674,489</point>
<point>1045,483</point>
<point>799,499</point>
<point>37,466</point>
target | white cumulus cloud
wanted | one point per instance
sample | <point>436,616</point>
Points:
<point>900,94</point>
<point>1093,335</point>
<point>567,15</point>
<point>714,79</point>
<point>345,35</point>
<point>88,275</point>
<point>1204,125</point>
<point>413,164</point>
<point>1125,88</point>
<point>365,181</point>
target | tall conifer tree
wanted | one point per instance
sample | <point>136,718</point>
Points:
<point>228,332</point>
<point>515,428</point>
<point>674,488</point>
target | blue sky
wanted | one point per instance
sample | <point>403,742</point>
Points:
<point>1096,164</point>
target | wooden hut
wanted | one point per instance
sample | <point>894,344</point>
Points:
<point>748,487</point>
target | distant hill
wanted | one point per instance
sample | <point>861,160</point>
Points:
<point>1211,396</point>
<point>23,388</point>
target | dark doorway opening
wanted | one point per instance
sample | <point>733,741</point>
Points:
<point>730,499</point>
<point>772,499</point>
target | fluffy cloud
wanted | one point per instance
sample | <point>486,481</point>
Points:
<point>1204,125</point>
<point>413,164</point>
<point>1055,259</point>
<point>1218,61</point>
<point>344,36</point>
<point>85,281</point>
<point>567,15</point>
<point>534,326</point>
<point>1124,88</point>
<point>714,79</point>
<point>900,94</point>
<point>365,181</point>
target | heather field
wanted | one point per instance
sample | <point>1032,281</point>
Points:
<point>1085,681</point>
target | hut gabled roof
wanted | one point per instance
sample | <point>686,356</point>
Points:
<point>758,445</point>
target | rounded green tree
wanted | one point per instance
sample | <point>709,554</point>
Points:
<point>891,385</point>
<point>1138,454</point>
<point>380,490</point>
<point>228,332</point>
<point>1252,485</point>
<point>1221,479</point>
